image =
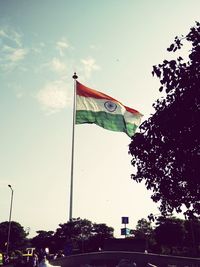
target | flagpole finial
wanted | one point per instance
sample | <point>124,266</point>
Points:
<point>75,76</point>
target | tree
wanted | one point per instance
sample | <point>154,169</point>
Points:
<point>170,232</point>
<point>76,229</point>
<point>167,149</point>
<point>100,232</point>
<point>144,231</point>
<point>17,236</point>
<point>43,239</point>
<point>83,234</point>
<point>192,237</point>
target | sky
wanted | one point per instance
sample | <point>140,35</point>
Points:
<point>112,45</point>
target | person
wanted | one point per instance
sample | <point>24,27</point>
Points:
<point>45,263</point>
<point>1,258</point>
<point>42,254</point>
<point>35,260</point>
<point>6,259</point>
<point>55,256</point>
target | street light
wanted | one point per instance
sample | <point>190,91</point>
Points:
<point>9,224</point>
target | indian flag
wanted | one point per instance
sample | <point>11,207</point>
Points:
<point>95,107</point>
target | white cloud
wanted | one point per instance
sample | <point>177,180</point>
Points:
<point>11,36</point>
<point>17,54</point>
<point>94,47</point>
<point>3,33</point>
<point>11,48</point>
<point>17,38</point>
<point>62,45</point>
<point>57,65</point>
<point>53,96</point>
<point>19,95</point>
<point>89,66</point>
<point>37,49</point>
<point>42,44</point>
<point>7,49</point>
<point>18,89</point>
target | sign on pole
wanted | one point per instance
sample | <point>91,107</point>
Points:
<point>124,220</point>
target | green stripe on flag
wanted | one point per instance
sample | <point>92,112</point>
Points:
<point>113,122</point>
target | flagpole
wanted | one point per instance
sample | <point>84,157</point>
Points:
<point>75,77</point>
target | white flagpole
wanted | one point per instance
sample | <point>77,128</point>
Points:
<point>75,77</point>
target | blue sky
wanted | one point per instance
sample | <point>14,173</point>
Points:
<point>112,45</point>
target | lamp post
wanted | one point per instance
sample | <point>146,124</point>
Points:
<point>9,223</point>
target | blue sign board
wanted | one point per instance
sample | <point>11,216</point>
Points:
<point>125,231</point>
<point>125,220</point>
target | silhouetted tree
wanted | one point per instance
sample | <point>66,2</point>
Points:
<point>17,236</point>
<point>144,231</point>
<point>84,234</point>
<point>143,227</point>
<point>74,230</point>
<point>167,149</point>
<point>192,237</point>
<point>100,232</point>
<point>43,239</point>
<point>170,233</point>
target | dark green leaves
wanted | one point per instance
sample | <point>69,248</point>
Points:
<point>167,149</point>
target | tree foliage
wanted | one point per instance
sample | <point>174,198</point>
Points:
<point>177,236</point>
<point>76,229</point>
<point>170,232</point>
<point>43,239</point>
<point>79,231</point>
<point>167,235</point>
<point>143,229</point>
<point>17,236</point>
<point>167,149</point>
